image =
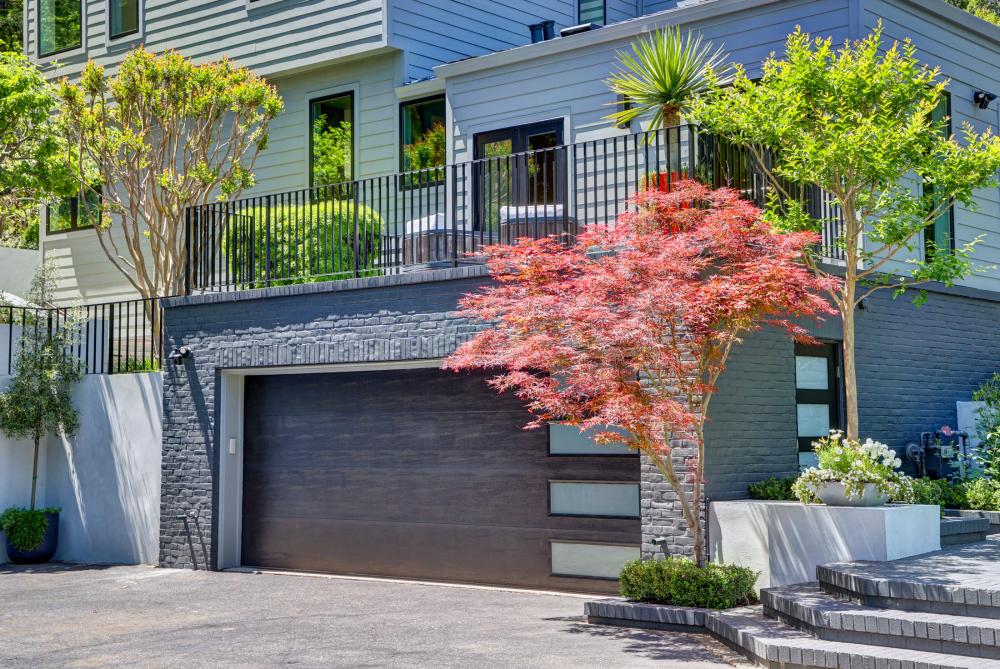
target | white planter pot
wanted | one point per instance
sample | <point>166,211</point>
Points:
<point>833,493</point>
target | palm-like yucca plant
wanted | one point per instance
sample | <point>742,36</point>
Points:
<point>662,74</point>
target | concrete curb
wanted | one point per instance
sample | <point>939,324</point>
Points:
<point>624,613</point>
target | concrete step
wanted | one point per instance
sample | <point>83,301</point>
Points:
<point>963,529</point>
<point>809,609</point>
<point>959,581</point>
<point>774,644</point>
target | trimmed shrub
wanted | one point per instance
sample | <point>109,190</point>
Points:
<point>943,492</point>
<point>318,241</point>
<point>774,488</point>
<point>982,494</point>
<point>680,582</point>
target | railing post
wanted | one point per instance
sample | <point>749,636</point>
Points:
<point>111,338</point>
<point>187,250</point>
<point>267,241</point>
<point>357,247</point>
<point>454,212</point>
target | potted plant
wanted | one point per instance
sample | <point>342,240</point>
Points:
<point>852,473</point>
<point>38,402</point>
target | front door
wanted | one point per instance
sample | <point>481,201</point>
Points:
<point>520,176</point>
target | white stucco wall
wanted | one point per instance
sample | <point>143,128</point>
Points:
<point>106,479</point>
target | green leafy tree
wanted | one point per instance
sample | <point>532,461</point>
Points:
<point>331,152</point>
<point>162,135</point>
<point>987,10</point>
<point>38,401</point>
<point>32,167</point>
<point>11,24</point>
<point>664,72</point>
<point>857,122</point>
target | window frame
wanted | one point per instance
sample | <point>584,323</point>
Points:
<point>402,124</point>
<point>38,32</point>
<point>928,239</point>
<point>604,13</point>
<point>74,225</point>
<point>833,353</point>
<point>130,35</point>
<point>350,93</point>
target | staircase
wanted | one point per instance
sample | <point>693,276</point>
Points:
<point>933,611</point>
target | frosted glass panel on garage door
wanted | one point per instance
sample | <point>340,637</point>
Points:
<point>593,560</point>
<point>568,440</point>
<point>579,498</point>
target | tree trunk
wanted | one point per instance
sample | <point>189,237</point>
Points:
<point>847,311</point>
<point>850,376</point>
<point>34,472</point>
<point>671,116</point>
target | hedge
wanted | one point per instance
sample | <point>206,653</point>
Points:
<point>308,242</point>
<point>680,582</point>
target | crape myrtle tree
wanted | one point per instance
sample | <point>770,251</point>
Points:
<point>859,123</point>
<point>161,135</point>
<point>631,326</point>
<point>32,167</point>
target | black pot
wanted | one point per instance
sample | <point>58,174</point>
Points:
<point>45,551</point>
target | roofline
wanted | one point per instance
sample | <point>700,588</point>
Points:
<point>959,17</point>
<point>611,33</point>
<point>680,15</point>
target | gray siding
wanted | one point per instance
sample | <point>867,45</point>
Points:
<point>569,83</point>
<point>431,32</point>
<point>298,34</point>
<point>946,44</point>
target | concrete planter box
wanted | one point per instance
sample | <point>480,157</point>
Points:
<point>786,541</point>
<point>621,612</point>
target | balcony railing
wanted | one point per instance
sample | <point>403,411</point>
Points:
<point>110,338</point>
<point>444,216</point>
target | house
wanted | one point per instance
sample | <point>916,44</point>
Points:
<point>307,425</point>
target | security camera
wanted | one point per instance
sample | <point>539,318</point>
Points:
<point>983,99</point>
<point>178,355</point>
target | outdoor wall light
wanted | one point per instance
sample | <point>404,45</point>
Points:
<point>178,355</point>
<point>983,99</point>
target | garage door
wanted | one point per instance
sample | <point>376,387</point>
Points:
<point>420,473</point>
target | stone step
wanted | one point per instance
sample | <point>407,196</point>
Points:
<point>774,644</point>
<point>963,529</point>
<point>811,610</point>
<point>935,583</point>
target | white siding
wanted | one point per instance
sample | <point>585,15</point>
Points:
<point>971,64</point>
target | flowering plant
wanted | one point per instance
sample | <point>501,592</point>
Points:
<point>853,463</point>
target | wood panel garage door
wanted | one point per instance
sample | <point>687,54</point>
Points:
<point>420,473</point>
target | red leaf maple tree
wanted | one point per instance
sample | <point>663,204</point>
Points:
<point>631,326</point>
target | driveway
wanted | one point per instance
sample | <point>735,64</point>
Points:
<point>67,616</point>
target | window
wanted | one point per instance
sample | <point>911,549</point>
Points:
<point>67,215</point>
<point>331,152</point>
<point>422,133</point>
<point>603,499</point>
<point>60,26</point>
<point>569,440</point>
<point>817,395</point>
<point>123,17</point>
<point>941,233</point>
<point>590,560</point>
<point>592,11</point>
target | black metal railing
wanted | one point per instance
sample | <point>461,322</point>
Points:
<point>108,338</point>
<point>446,215</point>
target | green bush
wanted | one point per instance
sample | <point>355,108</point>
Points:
<point>680,582</point>
<point>982,494</point>
<point>943,492</point>
<point>774,488</point>
<point>308,242</point>
<point>25,528</point>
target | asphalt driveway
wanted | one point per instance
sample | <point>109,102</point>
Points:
<point>62,616</point>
